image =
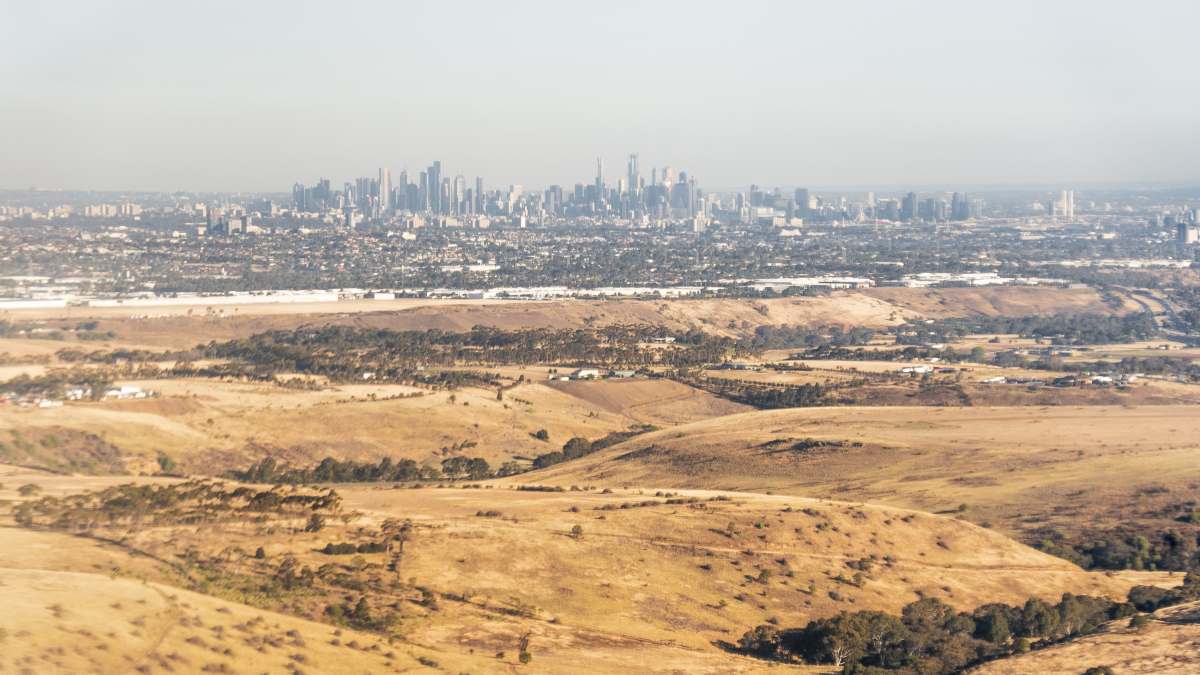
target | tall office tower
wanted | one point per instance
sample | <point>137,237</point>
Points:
<point>654,176</point>
<point>599,179</point>
<point>479,200</point>
<point>633,179</point>
<point>400,191</point>
<point>363,191</point>
<point>554,199</point>
<point>802,198</point>
<point>908,208</point>
<point>323,194</point>
<point>459,196</point>
<point>385,190</point>
<point>929,209</point>
<point>1069,204</point>
<point>435,186</point>
<point>298,197</point>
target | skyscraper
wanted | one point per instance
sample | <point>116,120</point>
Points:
<point>435,186</point>
<point>633,179</point>
<point>385,191</point>
<point>458,195</point>
<point>908,208</point>
<point>802,202</point>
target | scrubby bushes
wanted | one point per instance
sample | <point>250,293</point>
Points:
<point>348,548</point>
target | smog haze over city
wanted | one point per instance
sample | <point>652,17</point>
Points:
<point>244,96</point>
<point>549,337</point>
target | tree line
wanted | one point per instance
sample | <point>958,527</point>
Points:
<point>1127,548</point>
<point>1066,329</point>
<point>930,637</point>
<point>345,352</point>
<point>581,447</point>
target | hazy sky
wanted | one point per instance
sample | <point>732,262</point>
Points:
<point>256,95</point>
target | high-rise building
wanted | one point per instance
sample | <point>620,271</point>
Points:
<point>385,191</point>
<point>802,198</point>
<point>908,208</point>
<point>458,195</point>
<point>435,187</point>
<point>598,194</point>
<point>633,179</point>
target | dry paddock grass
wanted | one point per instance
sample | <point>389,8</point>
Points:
<point>1013,467</point>
<point>646,587</point>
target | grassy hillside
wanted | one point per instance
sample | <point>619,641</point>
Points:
<point>1017,469</point>
<point>184,327</point>
<point>647,582</point>
<point>208,426</point>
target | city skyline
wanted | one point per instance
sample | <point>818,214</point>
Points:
<point>134,97</point>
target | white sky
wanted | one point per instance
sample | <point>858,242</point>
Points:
<point>256,95</point>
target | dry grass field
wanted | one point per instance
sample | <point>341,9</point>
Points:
<point>184,327</point>
<point>650,582</point>
<point>209,425</point>
<point>1015,468</point>
<point>941,303</point>
<point>658,402</point>
<point>111,621</point>
<point>652,555</point>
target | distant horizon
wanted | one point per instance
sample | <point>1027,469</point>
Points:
<point>841,189</point>
<point>134,93</point>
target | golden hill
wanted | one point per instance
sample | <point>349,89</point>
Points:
<point>208,426</point>
<point>184,327</point>
<point>1016,468</point>
<point>649,582</point>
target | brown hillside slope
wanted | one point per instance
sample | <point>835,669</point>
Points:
<point>167,327</point>
<point>209,426</point>
<point>687,574</point>
<point>58,621</point>
<point>645,584</point>
<point>1017,468</point>
<point>658,401</point>
<point>941,303</point>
